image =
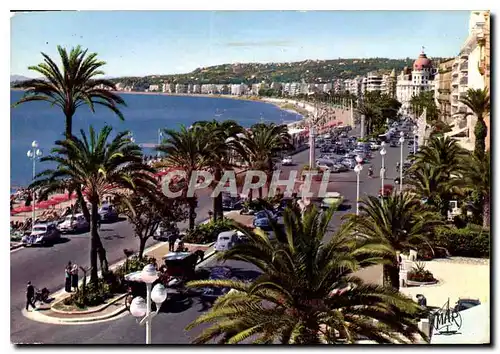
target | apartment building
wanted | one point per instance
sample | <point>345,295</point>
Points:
<point>153,88</point>
<point>467,73</point>
<point>180,88</point>
<point>239,89</point>
<point>372,82</point>
<point>196,88</point>
<point>354,86</point>
<point>388,86</point>
<point>442,89</point>
<point>338,86</point>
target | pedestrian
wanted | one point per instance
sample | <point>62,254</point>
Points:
<point>74,276</point>
<point>30,296</point>
<point>171,242</point>
<point>67,278</point>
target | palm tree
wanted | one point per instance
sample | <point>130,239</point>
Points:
<point>100,168</point>
<point>72,85</point>
<point>187,150</point>
<point>400,222</point>
<point>437,171</point>
<point>478,101</point>
<point>477,177</point>
<point>258,146</point>
<point>307,292</point>
<point>371,113</point>
<point>224,136</point>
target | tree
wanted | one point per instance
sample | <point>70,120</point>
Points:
<point>425,99</point>
<point>372,115</point>
<point>149,211</point>
<point>401,221</point>
<point>258,146</point>
<point>478,178</point>
<point>478,102</point>
<point>68,87</point>
<point>186,150</point>
<point>224,135</point>
<point>307,292</point>
<point>72,85</point>
<point>437,171</point>
<point>101,168</point>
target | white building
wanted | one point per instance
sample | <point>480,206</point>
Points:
<point>196,88</point>
<point>465,75</point>
<point>180,88</point>
<point>415,80</point>
<point>353,86</point>
<point>168,88</point>
<point>190,88</point>
<point>276,86</point>
<point>154,88</point>
<point>239,89</point>
<point>294,89</point>
<point>372,82</point>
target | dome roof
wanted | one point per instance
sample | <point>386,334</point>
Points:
<point>422,62</point>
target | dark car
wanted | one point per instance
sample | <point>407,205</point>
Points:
<point>164,234</point>
<point>393,143</point>
<point>210,294</point>
<point>231,203</point>
<point>107,212</point>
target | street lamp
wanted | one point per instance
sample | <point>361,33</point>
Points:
<point>142,308</point>
<point>358,168</point>
<point>160,136</point>
<point>401,141</point>
<point>382,170</point>
<point>415,132</point>
<point>34,153</point>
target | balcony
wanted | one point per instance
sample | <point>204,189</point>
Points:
<point>464,80</point>
<point>454,73</point>
<point>464,55</point>
<point>464,66</point>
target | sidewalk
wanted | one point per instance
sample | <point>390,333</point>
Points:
<point>115,306</point>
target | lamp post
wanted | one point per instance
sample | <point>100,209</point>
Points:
<point>160,136</point>
<point>34,153</point>
<point>142,308</point>
<point>415,131</point>
<point>382,170</point>
<point>358,168</point>
<point>401,141</point>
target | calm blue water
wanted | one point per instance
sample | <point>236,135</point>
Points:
<point>144,114</point>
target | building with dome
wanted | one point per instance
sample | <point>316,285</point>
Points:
<point>414,80</point>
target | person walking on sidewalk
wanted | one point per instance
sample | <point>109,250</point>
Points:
<point>67,278</point>
<point>171,242</point>
<point>74,276</point>
<point>30,296</point>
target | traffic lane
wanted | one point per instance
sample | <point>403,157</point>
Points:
<point>168,325</point>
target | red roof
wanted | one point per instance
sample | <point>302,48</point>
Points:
<point>422,62</point>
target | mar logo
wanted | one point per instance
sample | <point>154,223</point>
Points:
<point>447,320</point>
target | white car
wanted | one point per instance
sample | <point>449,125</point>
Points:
<point>374,145</point>
<point>73,223</point>
<point>287,161</point>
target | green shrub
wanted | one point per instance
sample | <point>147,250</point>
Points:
<point>92,295</point>
<point>471,241</point>
<point>207,233</point>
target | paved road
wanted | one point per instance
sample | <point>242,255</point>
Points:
<point>169,326</point>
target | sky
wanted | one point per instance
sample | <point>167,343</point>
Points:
<point>138,43</point>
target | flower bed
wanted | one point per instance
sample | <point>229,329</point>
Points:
<point>418,275</point>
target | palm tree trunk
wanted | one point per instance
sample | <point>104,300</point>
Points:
<point>391,275</point>
<point>94,244</point>
<point>69,125</point>
<point>142,246</point>
<point>486,211</point>
<point>217,200</point>
<point>192,201</point>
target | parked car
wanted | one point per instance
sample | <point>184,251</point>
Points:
<point>393,143</point>
<point>73,223</point>
<point>332,199</point>
<point>338,167</point>
<point>226,240</point>
<point>108,213</point>
<point>231,203</point>
<point>325,164</point>
<point>210,294</point>
<point>287,161</point>
<point>349,163</point>
<point>42,234</point>
<point>164,233</point>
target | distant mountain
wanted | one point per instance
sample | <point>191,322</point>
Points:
<point>18,78</point>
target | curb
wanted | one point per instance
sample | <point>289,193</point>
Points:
<point>97,309</point>
<point>16,247</point>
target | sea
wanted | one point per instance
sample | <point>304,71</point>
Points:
<point>144,115</point>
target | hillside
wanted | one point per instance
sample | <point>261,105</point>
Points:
<point>310,71</point>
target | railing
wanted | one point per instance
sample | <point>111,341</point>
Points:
<point>464,80</point>
<point>464,66</point>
